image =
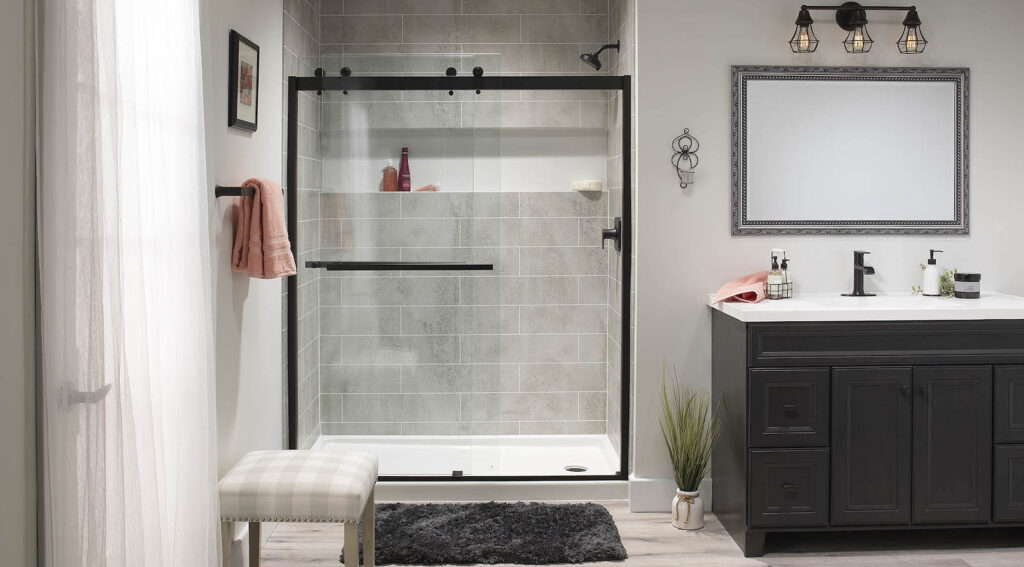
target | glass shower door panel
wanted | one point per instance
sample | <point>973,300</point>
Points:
<point>403,344</point>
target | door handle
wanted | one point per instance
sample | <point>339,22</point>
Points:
<point>70,396</point>
<point>789,487</point>
<point>614,233</point>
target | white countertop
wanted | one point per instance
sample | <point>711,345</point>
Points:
<point>883,307</point>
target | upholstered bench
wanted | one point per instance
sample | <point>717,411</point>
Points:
<point>301,486</point>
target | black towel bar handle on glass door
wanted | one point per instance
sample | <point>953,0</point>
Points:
<point>371,266</point>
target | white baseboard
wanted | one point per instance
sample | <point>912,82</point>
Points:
<point>655,494</point>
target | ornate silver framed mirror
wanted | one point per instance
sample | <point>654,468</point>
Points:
<point>849,150</point>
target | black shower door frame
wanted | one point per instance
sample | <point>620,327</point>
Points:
<point>621,83</point>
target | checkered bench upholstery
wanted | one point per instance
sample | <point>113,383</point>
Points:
<point>301,486</point>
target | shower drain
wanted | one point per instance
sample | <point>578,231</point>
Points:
<point>575,468</point>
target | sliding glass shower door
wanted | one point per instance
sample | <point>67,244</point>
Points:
<point>408,290</point>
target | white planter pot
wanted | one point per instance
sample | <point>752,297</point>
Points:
<point>687,510</point>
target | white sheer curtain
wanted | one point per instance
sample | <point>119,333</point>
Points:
<point>129,470</point>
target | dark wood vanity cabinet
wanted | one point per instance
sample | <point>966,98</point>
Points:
<point>867,425</point>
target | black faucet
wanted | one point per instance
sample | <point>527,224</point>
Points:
<point>859,270</point>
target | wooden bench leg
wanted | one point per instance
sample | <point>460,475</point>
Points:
<point>254,544</point>
<point>351,544</point>
<point>369,519</point>
<point>227,535</point>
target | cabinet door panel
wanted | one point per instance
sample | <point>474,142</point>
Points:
<point>1009,488</point>
<point>871,441</point>
<point>952,444</point>
<point>788,407</point>
<point>788,487</point>
<point>1009,404</point>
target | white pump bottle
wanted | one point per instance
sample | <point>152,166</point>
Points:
<point>930,278</point>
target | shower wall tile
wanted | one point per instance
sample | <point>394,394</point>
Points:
<point>330,428</point>
<point>562,260</point>
<point>360,29</point>
<point>520,6</point>
<point>360,379</point>
<point>564,29</point>
<point>461,29</point>
<point>390,6</point>
<point>537,324</point>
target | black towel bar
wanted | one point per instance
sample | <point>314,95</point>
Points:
<point>371,266</point>
<point>219,191</point>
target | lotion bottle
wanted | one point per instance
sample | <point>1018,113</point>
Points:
<point>931,275</point>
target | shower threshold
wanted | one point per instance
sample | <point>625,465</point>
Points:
<point>483,455</point>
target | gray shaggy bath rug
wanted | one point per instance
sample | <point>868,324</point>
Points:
<point>495,532</point>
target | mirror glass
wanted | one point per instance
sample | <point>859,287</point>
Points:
<point>849,150</point>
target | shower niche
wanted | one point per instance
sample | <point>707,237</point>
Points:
<point>472,332</point>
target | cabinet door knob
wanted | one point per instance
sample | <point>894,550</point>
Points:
<point>789,409</point>
<point>923,391</point>
<point>789,487</point>
<point>905,391</point>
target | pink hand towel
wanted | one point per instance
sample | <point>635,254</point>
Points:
<point>748,289</point>
<point>261,248</point>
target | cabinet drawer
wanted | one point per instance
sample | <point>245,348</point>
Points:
<point>1009,405</point>
<point>1008,493</point>
<point>788,487</point>
<point>788,407</point>
<point>862,343</point>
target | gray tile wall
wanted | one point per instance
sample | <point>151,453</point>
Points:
<point>520,350</point>
<point>503,36</point>
<point>301,57</point>
<point>622,22</point>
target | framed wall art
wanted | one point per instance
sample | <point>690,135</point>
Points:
<point>243,82</point>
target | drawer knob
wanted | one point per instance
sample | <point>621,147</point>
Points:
<point>789,409</point>
<point>789,487</point>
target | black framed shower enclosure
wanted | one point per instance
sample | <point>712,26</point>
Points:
<point>621,83</point>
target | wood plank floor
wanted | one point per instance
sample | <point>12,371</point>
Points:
<point>651,541</point>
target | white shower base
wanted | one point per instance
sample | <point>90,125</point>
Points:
<point>477,456</point>
<point>513,455</point>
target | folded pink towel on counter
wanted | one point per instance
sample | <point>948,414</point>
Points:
<point>261,248</point>
<point>748,289</point>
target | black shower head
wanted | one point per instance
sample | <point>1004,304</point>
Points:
<point>593,59</point>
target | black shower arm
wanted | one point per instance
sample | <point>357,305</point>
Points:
<point>603,47</point>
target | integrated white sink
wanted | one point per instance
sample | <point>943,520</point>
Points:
<point>883,307</point>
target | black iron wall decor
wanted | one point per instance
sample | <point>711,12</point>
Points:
<point>243,82</point>
<point>684,149</point>
<point>853,18</point>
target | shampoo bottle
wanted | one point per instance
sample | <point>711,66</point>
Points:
<point>389,180</point>
<point>930,278</point>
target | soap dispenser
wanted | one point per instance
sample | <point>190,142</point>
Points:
<point>930,278</point>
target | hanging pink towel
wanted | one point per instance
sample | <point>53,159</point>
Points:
<point>748,289</point>
<point>261,248</point>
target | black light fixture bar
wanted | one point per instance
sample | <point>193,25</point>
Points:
<point>848,8</point>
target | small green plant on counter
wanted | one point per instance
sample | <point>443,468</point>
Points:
<point>947,287</point>
<point>690,428</point>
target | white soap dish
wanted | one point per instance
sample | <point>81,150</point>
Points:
<point>588,185</point>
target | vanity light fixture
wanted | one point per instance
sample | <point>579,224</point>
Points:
<point>852,17</point>
<point>804,40</point>
<point>912,41</point>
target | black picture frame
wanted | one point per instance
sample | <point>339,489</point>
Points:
<point>243,82</point>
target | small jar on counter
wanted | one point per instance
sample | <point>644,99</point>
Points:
<point>967,285</point>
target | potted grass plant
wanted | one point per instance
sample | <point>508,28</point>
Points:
<point>690,427</point>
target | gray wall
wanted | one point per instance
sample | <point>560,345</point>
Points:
<point>17,308</point>
<point>301,57</point>
<point>687,248</point>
